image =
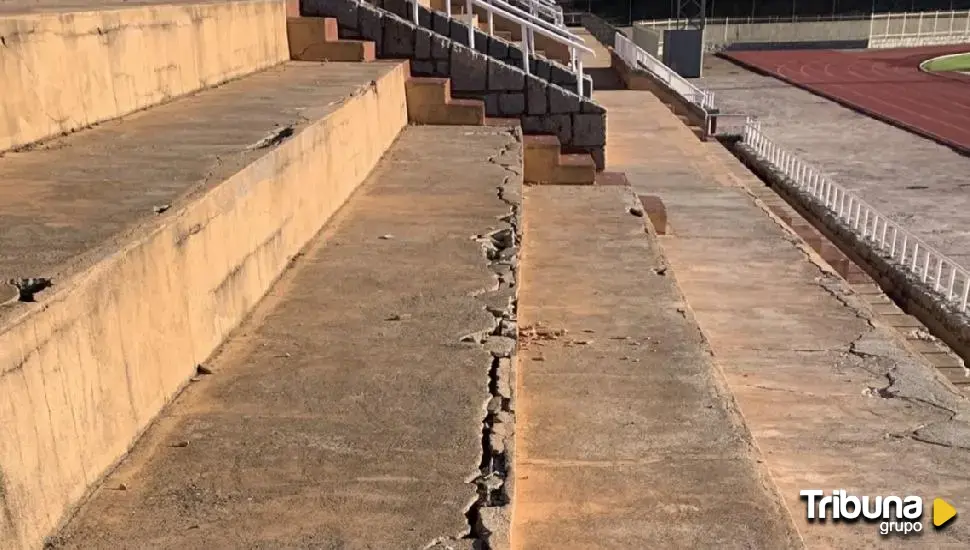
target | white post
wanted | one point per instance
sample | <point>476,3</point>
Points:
<point>448,8</point>
<point>579,77</point>
<point>525,50</point>
<point>471,28</point>
<point>414,10</point>
<point>491,23</point>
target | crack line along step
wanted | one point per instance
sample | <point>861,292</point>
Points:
<point>348,410</point>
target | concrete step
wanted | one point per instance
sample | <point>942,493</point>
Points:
<point>545,163</point>
<point>316,39</point>
<point>504,35</point>
<point>430,102</point>
<point>621,403</point>
<point>316,401</point>
<point>161,231</point>
<point>87,62</point>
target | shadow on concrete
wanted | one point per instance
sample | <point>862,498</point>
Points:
<point>605,78</point>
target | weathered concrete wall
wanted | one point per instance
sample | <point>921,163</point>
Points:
<point>543,107</point>
<point>901,30</point>
<point>720,36</point>
<point>84,372</point>
<point>99,65</point>
<point>649,39</point>
<point>600,29</point>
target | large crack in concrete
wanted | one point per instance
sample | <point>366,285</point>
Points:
<point>881,355</point>
<point>489,515</point>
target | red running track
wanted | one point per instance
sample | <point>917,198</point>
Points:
<point>884,84</point>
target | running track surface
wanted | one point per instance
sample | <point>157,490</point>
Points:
<point>884,84</point>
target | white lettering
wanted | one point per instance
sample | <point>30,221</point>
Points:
<point>810,496</point>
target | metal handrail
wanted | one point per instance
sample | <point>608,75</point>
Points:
<point>947,281</point>
<point>636,57</point>
<point>530,24</point>
<point>544,7</point>
<point>539,24</point>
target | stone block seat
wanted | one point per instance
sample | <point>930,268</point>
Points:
<point>486,72</point>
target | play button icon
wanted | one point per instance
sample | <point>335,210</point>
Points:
<point>942,512</point>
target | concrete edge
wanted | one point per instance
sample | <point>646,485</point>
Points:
<point>951,326</point>
<point>87,369</point>
<point>124,59</point>
<point>719,379</point>
<point>638,79</point>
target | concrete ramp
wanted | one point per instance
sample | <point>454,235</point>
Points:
<point>626,436</point>
<point>348,411</point>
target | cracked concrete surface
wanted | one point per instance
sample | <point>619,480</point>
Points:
<point>62,200</point>
<point>348,411</point>
<point>832,396</point>
<point>626,435</point>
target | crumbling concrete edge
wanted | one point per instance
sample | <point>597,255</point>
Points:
<point>910,378</point>
<point>490,514</point>
<point>944,320</point>
<point>721,387</point>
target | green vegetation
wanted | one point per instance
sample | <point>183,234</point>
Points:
<point>959,62</point>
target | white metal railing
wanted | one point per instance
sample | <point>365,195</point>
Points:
<point>948,280</point>
<point>531,24</point>
<point>637,57</point>
<point>897,30</point>
<point>543,8</point>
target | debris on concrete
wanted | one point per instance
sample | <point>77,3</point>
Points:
<point>26,288</point>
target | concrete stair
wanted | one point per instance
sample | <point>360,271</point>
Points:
<point>317,39</point>
<point>430,102</point>
<point>546,164</point>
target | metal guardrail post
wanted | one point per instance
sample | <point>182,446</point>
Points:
<point>579,77</point>
<point>471,28</point>
<point>525,51</point>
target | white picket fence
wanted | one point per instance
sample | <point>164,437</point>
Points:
<point>948,280</point>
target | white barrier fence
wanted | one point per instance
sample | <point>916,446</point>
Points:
<point>635,57</point>
<point>947,279</point>
<point>904,30</point>
<point>880,30</point>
